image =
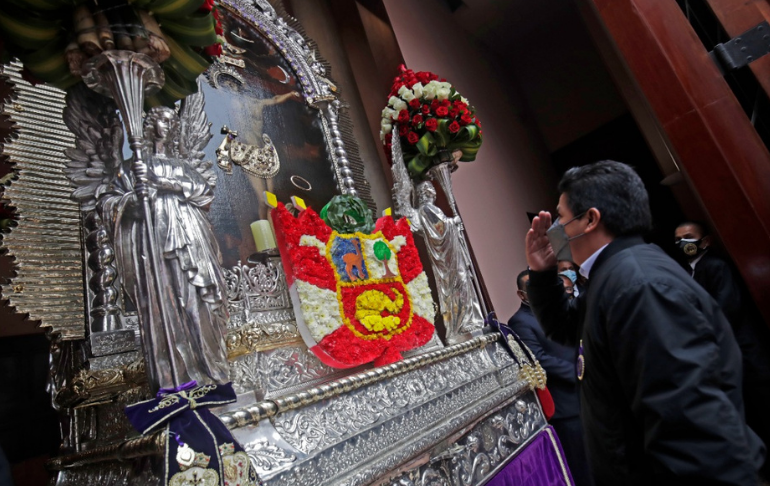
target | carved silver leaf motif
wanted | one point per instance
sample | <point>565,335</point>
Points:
<point>265,456</point>
<point>330,423</point>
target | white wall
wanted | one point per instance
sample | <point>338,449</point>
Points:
<point>512,174</point>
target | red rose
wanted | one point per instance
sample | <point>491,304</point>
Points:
<point>435,104</point>
<point>416,120</point>
<point>423,77</point>
<point>414,104</point>
<point>431,125</point>
<point>425,109</point>
<point>442,111</point>
<point>459,105</point>
<point>403,129</point>
<point>445,103</point>
<point>466,118</point>
<point>208,6</point>
<point>454,127</point>
<point>413,138</point>
<point>453,113</point>
<point>403,117</point>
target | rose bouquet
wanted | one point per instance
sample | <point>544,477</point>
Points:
<point>54,38</point>
<point>431,116</point>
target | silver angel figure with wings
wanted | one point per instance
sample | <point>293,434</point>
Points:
<point>444,239</point>
<point>183,324</point>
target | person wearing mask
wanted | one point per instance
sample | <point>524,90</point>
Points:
<point>558,361</point>
<point>659,369</point>
<point>569,270</point>
<point>723,283</point>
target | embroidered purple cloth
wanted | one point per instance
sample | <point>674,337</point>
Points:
<point>541,463</point>
<point>199,446</point>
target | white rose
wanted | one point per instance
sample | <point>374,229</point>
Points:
<point>464,100</point>
<point>399,105</point>
<point>417,90</point>
<point>385,127</point>
<point>429,92</point>
<point>393,100</point>
<point>406,94</point>
<point>389,114</point>
<point>442,93</point>
<point>445,85</point>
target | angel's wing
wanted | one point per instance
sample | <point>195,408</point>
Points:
<point>195,133</point>
<point>96,158</point>
<point>402,184</point>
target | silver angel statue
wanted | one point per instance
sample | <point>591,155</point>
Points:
<point>452,267</point>
<point>183,324</point>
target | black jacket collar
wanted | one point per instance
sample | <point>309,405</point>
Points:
<point>616,246</point>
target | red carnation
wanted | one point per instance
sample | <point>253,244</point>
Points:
<point>466,118</point>
<point>414,104</point>
<point>413,138</point>
<point>442,111</point>
<point>454,127</point>
<point>403,117</point>
<point>425,109</point>
<point>431,125</point>
<point>416,120</point>
<point>403,129</point>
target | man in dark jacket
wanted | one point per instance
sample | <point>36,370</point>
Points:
<point>558,361</point>
<point>660,369</point>
<point>724,284</point>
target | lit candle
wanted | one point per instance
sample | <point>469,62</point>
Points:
<point>263,235</point>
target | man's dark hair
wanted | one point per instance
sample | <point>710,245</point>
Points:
<point>613,188</point>
<point>520,279</point>
<point>702,227</point>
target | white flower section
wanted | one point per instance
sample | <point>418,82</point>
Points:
<point>422,302</point>
<point>398,242</point>
<point>429,91</point>
<point>406,94</point>
<point>397,103</point>
<point>374,266</point>
<point>320,309</point>
<point>310,240</point>
<point>417,90</point>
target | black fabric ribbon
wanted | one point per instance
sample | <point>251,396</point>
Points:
<point>199,445</point>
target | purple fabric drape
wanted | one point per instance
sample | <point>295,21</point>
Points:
<point>541,463</point>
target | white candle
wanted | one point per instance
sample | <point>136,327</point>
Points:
<point>263,235</point>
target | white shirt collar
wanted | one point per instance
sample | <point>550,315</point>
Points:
<point>585,268</point>
<point>695,262</point>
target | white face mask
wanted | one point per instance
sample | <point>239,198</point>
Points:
<point>559,240</point>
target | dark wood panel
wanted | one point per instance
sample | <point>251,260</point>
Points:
<point>721,154</point>
<point>737,17</point>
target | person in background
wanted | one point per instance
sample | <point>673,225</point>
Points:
<point>569,286</point>
<point>558,361</point>
<point>659,367</point>
<point>570,270</point>
<point>723,283</point>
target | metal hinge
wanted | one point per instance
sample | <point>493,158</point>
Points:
<point>743,49</point>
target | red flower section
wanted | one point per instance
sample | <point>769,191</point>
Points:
<point>454,127</point>
<point>431,125</point>
<point>351,293</point>
<point>303,262</point>
<point>344,346</point>
<point>416,120</point>
<point>403,117</point>
<point>207,6</point>
<point>442,111</point>
<point>412,138</point>
<point>414,104</point>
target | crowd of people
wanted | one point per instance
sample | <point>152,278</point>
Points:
<point>660,373</point>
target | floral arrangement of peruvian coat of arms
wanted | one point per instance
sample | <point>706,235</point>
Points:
<point>359,289</point>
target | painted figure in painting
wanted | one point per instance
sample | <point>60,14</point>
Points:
<point>183,323</point>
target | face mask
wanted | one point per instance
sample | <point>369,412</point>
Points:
<point>559,240</point>
<point>690,247</point>
<point>570,274</point>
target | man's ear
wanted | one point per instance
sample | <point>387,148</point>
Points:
<point>521,294</point>
<point>705,241</point>
<point>594,216</point>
